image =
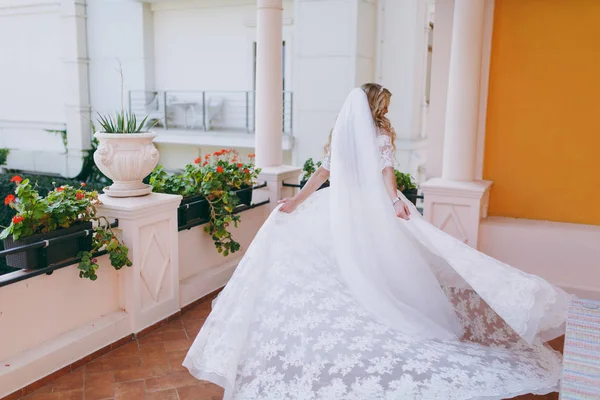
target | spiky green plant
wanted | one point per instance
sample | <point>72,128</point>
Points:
<point>123,122</point>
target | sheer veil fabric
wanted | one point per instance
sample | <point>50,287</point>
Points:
<point>384,271</point>
<point>342,300</point>
<point>398,270</point>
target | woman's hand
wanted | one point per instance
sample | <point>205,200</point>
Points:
<point>289,205</point>
<point>402,210</point>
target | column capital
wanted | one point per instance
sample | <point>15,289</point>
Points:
<point>135,208</point>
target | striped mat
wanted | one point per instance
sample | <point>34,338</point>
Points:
<point>581,365</point>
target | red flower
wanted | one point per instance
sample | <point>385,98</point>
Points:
<point>60,189</point>
<point>219,169</point>
<point>9,199</point>
<point>207,156</point>
<point>83,184</point>
<point>197,160</point>
<point>216,153</point>
<point>205,163</point>
<point>94,260</point>
<point>246,171</point>
<point>251,155</point>
<point>17,219</point>
<point>240,165</point>
<point>79,195</point>
<point>16,179</point>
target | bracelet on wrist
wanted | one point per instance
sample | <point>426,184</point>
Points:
<point>397,199</point>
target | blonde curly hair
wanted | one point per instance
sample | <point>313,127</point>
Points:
<point>379,101</point>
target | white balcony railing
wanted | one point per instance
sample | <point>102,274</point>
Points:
<point>204,110</point>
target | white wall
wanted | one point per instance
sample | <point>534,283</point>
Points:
<point>208,45</point>
<point>128,41</point>
<point>402,64</point>
<point>564,254</point>
<point>343,44</point>
<point>31,81</point>
<point>334,53</point>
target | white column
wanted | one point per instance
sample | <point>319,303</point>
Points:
<point>269,84</point>
<point>456,202</point>
<point>460,144</point>
<point>77,97</point>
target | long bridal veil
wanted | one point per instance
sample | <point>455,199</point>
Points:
<point>384,270</point>
<point>413,277</point>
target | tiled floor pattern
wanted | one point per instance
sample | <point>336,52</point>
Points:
<point>150,369</point>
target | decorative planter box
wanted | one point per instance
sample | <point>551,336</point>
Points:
<point>411,195</point>
<point>245,196</point>
<point>55,253</point>
<point>323,186</point>
<point>192,209</point>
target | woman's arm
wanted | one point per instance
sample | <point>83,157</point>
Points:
<point>389,179</point>
<point>315,182</point>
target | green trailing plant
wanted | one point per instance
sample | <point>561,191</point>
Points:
<point>61,208</point>
<point>404,181</point>
<point>63,136</point>
<point>4,156</point>
<point>309,168</point>
<point>216,177</point>
<point>43,185</point>
<point>163,182</point>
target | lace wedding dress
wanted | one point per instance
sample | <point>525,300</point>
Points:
<point>341,300</point>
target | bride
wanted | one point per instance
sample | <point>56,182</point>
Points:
<point>347,293</point>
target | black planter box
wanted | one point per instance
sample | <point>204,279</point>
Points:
<point>245,196</point>
<point>55,253</point>
<point>192,209</point>
<point>411,195</point>
<point>323,186</point>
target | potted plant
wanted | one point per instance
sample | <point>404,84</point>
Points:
<point>193,207</point>
<point>212,186</point>
<point>64,211</point>
<point>308,170</point>
<point>241,175</point>
<point>125,153</point>
<point>405,183</point>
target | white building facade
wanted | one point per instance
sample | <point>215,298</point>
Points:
<point>192,65</point>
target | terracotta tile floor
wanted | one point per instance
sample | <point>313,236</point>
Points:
<point>150,369</point>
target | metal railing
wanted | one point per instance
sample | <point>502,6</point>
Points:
<point>204,110</point>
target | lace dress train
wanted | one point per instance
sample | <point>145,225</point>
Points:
<point>289,327</point>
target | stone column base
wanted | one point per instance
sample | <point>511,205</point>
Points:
<point>456,207</point>
<point>149,290</point>
<point>275,176</point>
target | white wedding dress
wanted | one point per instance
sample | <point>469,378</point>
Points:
<point>342,300</point>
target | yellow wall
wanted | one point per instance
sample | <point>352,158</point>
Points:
<point>542,145</point>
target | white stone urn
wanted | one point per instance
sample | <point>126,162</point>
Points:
<point>126,159</point>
